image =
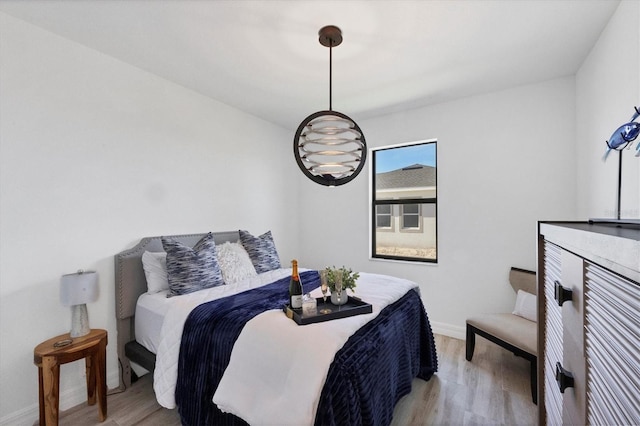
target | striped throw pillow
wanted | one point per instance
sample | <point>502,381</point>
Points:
<point>262,251</point>
<point>192,269</point>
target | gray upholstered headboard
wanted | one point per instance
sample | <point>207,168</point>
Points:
<point>131,283</point>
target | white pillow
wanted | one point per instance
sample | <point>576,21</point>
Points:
<point>234,262</point>
<point>155,269</point>
<point>526,306</point>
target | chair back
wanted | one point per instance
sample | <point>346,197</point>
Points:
<point>522,279</point>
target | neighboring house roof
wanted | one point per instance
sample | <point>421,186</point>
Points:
<point>417,175</point>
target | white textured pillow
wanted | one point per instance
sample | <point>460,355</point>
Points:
<point>234,262</point>
<point>526,306</point>
<point>155,269</point>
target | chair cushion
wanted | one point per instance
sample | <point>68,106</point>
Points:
<point>518,331</point>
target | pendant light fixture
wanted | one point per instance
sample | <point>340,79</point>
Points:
<point>329,147</point>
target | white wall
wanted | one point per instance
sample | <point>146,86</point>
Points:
<point>607,89</point>
<point>94,155</point>
<point>505,161</point>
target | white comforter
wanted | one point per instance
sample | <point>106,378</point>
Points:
<point>166,372</point>
<point>274,361</point>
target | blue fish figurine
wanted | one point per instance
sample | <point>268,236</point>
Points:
<point>624,135</point>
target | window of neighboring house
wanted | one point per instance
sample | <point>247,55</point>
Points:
<point>410,216</point>
<point>383,216</point>
<point>404,202</point>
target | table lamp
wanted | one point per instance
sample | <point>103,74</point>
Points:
<point>76,290</point>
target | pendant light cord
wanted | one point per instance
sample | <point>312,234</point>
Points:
<point>330,77</point>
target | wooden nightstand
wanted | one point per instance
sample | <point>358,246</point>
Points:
<point>48,357</point>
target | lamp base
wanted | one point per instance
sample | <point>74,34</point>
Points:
<point>79,321</point>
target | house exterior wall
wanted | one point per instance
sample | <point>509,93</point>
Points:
<point>395,236</point>
<point>403,193</point>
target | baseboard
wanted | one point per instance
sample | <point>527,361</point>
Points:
<point>445,329</point>
<point>69,398</point>
<point>26,416</point>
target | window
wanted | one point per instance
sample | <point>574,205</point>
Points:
<point>383,216</point>
<point>404,202</point>
<point>410,216</point>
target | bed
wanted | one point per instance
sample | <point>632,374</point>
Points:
<point>375,359</point>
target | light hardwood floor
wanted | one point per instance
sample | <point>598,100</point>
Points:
<point>493,389</point>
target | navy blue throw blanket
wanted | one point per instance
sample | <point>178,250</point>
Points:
<point>376,366</point>
<point>369,375</point>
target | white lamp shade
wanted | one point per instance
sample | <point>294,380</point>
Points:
<point>79,288</point>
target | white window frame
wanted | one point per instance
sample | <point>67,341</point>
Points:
<point>402,215</point>
<point>391,220</point>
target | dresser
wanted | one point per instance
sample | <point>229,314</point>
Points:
<point>589,323</point>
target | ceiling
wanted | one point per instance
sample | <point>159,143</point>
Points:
<point>264,57</point>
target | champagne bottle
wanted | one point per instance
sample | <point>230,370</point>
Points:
<point>295,288</point>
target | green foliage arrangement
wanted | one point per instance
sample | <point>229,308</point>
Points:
<point>348,278</point>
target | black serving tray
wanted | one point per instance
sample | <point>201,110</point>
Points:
<point>354,306</point>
